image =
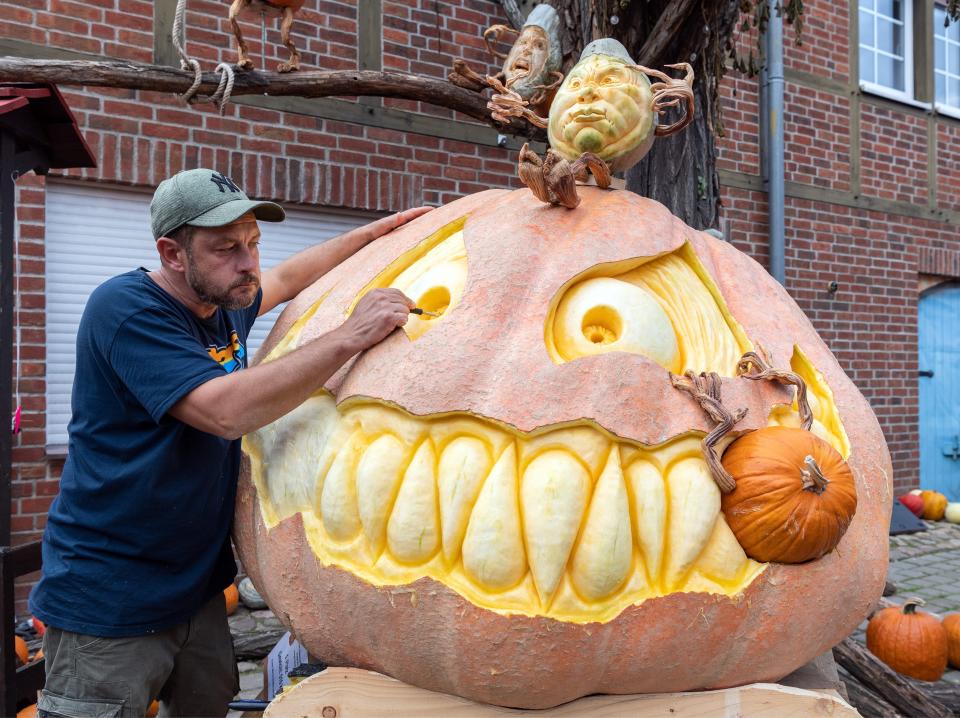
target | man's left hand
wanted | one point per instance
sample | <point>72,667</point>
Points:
<point>383,226</point>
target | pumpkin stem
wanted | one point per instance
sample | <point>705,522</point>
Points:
<point>910,605</point>
<point>756,365</point>
<point>812,476</point>
<point>705,389</point>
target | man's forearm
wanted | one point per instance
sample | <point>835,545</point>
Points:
<point>238,403</point>
<point>304,268</point>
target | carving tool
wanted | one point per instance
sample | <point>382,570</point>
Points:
<point>418,310</point>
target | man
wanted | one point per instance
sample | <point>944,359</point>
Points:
<point>137,552</point>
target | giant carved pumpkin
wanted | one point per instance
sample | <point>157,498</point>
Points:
<point>509,501</point>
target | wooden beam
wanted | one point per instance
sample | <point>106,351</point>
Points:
<point>164,53</point>
<point>897,690</point>
<point>140,76</point>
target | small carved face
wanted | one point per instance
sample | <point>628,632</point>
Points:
<point>529,57</point>
<point>604,106</point>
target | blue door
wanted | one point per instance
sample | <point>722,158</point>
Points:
<point>940,390</point>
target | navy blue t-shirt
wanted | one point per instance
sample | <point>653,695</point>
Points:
<point>139,537</point>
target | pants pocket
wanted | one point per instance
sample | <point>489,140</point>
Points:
<point>54,706</point>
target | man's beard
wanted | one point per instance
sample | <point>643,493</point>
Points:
<point>209,294</point>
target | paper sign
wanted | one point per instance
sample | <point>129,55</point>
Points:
<point>285,656</point>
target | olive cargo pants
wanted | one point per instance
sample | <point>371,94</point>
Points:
<point>189,667</point>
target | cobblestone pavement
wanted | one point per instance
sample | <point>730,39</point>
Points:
<point>922,565</point>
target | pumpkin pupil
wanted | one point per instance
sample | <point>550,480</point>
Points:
<point>436,299</point>
<point>602,325</point>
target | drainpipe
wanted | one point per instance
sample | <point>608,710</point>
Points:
<point>771,126</point>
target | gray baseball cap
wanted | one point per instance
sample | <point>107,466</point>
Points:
<point>204,198</point>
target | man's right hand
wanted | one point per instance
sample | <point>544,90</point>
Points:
<point>378,313</point>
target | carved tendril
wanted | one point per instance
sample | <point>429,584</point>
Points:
<point>493,32</point>
<point>756,365</point>
<point>506,103</point>
<point>554,180</point>
<point>670,92</point>
<point>705,389</point>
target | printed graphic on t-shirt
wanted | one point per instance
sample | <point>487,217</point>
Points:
<point>230,357</point>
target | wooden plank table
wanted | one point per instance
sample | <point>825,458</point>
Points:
<point>356,693</point>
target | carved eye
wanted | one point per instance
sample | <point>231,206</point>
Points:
<point>575,84</point>
<point>433,274</point>
<point>665,308</point>
<point>610,80</point>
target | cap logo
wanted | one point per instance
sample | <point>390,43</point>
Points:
<point>223,183</point>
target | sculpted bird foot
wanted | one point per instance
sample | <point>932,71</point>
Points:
<point>554,179</point>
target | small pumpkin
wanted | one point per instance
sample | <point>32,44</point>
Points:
<point>20,648</point>
<point>795,495</point>
<point>232,597</point>
<point>28,712</point>
<point>934,505</point>
<point>911,642</point>
<point>951,624</point>
<point>914,503</point>
<point>952,513</point>
<point>153,709</point>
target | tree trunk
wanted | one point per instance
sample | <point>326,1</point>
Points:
<point>680,171</point>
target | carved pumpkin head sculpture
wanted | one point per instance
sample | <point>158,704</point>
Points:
<point>534,61</point>
<point>509,502</point>
<point>607,106</point>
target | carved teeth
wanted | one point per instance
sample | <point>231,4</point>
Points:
<point>694,508</point>
<point>493,553</point>
<point>604,554</point>
<point>413,532</point>
<point>338,500</point>
<point>554,492</point>
<point>464,465</point>
<point>649,502</point>
<point>378,479</point>
<point>558,523</point>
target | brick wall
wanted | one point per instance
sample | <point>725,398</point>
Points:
<point>874,250</point>
<point>139,138</point>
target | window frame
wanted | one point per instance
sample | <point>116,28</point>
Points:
<point>942,108</point>
<point>907,95</point>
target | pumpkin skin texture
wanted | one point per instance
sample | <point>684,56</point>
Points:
<point>911,642</point>
<point>629,603</point>
<point>770,512</point>
<point>914,503</point>
<point>934,505</point>
<point>231,595</point>
<point>20,648</point>
<point>951,624</point>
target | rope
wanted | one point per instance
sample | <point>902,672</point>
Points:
<point>222,96</point>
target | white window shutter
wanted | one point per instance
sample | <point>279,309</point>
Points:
<point>94,233</point>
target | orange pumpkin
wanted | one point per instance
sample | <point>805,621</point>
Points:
<point>28,712</point>
<point>38,655</point>
<point>509,502</point>
<point>795,495</point>
<point>951,624</point>
<point>232,597</point>
<point>20,648</point>
<point>153,709</point>
<point>911,642</point>
<point>934,505</point>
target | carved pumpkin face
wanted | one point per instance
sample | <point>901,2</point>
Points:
<point>528,60</point>
<point>508,501</point>
<point>604,106</point>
